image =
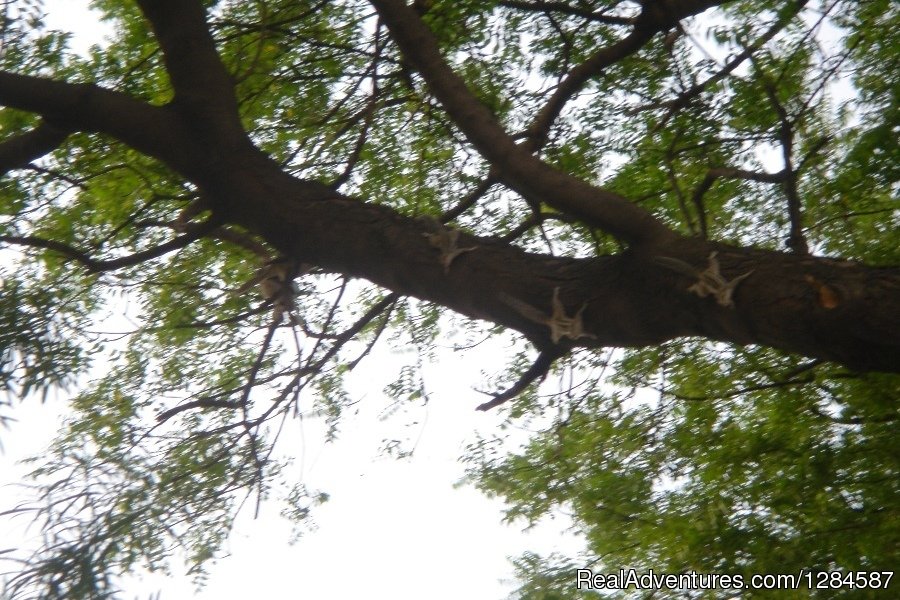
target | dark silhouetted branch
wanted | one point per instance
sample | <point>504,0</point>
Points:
<point>567,9</point>
<point>531,177</point>
<point>538,370</point>
<point>18,151</point>
<point>98,266</point>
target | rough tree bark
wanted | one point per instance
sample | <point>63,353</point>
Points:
<point>819,307</point>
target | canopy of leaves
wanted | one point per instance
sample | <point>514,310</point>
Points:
<point>689,455</point>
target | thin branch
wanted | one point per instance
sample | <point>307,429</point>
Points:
<point>738,392</point>
<point>224,321</point>
<point>887,418</point>
<point>796,240</point>
<point>575,80</point>
<point>533,178</point>
<point>200,403</point>
<point>368,117</point>
<point>371,344</point>
<point>354,329</point>
<point>726,173</point>
<point>538,370</point>
<point>684,98</point>
<point>646,25</point>
<point>243,240</point>
<point>469,200</point>
<point>566,9</point>
<point>852,214</point>
<point>343,338</point>
<point>243,403</point>
<point>533,220</point>
<point>813,151</point>
<point>669,159</point>
<point>99,266</point>
<point>536,219</point>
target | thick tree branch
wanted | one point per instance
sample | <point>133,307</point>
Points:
<point>822,308</point>
<point>524,173</point>
<point>18,151</point>
<point>203,87</point>
<point>91,108</point>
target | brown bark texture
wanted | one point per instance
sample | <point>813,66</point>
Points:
<point>661,286</point>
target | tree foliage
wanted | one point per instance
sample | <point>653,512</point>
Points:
<point>690,205</point>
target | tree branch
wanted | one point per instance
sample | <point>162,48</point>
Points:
<point>18,151</point>
<point>685,97</point>
<point>469,200</point>
<point>650,21</point>
<point>796,240</point>
<point>91,108</point>
<point>566,9</point>
<point>98,266</point>
<point>534,179</point>
<point>726,173</point>
<point>202,85</point>
<point>580,75</point>
<point>199,403</point>
<point>538,370</point>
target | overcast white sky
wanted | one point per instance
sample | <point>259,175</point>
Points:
<point>392,529</point>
